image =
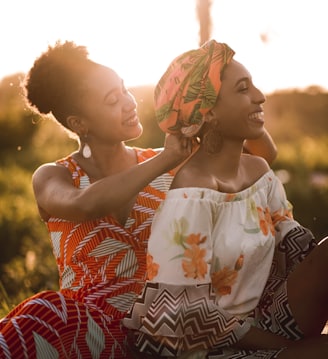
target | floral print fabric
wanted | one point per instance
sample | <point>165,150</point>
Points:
<point>189,88</point>
<point>204,236</point>
<point>210,255</point>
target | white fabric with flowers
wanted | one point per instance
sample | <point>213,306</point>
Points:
<point>201,236</point>
<point>209,259</point>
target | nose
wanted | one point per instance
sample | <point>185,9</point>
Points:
<point>130,102</point>
<point>258,96</point>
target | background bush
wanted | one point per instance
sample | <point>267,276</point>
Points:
<point>296,120</point>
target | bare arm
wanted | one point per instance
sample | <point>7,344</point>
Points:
<point>257,338</point>
<point>315,347</point>
<point>56,195</point>
<point>263,147</point>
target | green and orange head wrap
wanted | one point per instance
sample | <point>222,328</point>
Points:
<point>189,88</point>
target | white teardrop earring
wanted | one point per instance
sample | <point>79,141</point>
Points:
<point>86,152</point>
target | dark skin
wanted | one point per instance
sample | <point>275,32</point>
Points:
<point>109,117</point>
<point>238,113</point>
<point>92,101</point>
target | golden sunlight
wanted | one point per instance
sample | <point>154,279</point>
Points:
<point>139,38</point>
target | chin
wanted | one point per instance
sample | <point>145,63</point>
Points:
<point>137,134</point>
<point>140,130</point>
<point>256,134</point>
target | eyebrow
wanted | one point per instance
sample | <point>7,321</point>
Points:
<point>108,94</point>
<point>114,89</point>
<point>241,80</point>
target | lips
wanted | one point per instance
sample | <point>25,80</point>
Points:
<point>257,117</point>
<point>132,121</point>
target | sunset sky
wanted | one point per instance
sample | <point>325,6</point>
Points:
<point>281,42</point>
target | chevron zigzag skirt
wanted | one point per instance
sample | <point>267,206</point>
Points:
<point>183,322</point>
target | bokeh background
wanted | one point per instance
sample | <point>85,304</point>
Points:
<point>282,42</point>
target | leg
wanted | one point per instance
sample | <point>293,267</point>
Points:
<point>52,325</point>
<point>316,348</point>
<point>307,289</point>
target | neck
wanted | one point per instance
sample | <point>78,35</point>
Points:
<point>226,162</point>
<point>107,160</point>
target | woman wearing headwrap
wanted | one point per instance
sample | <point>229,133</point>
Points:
<point>224,246</point>
<point>97,203</point>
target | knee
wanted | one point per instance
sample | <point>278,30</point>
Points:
<point>324,242</point>
<point>323,249</point>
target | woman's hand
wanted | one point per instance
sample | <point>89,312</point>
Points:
<point>263,147</point>
<point>316,348</point>
<point>257,338</point>
<point>178,148</point>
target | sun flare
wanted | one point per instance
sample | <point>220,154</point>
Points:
<point>139,38</point>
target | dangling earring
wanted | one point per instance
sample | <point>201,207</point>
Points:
<point>212,139</point>
<point>86,152</point>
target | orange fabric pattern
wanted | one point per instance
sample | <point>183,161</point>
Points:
<point>102,269</point>
<point>189,88</point>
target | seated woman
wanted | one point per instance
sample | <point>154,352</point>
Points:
<point>97,203</point>
<point>227,276</point>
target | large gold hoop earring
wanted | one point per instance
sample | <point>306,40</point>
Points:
<point>212,139</point>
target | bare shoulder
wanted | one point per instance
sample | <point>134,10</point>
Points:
<point>191,175</point>
<point>255,166</point>
<point>49,171</point>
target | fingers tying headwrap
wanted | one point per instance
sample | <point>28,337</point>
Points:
<point>189,88</point>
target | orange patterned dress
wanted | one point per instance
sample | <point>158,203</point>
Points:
<point>102,268</point>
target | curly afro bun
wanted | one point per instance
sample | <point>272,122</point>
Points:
<point>55,82</point>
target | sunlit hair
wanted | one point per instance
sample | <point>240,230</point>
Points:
<point>55,84</point>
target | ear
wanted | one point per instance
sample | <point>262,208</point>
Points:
<point>208,117</point>
<point>76,124</point>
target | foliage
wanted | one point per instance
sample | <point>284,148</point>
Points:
<point>16,130</point>
<point>298,123</point>
<point>296,120</point>
<point>26,261</point>
<point>292,115</point>
<point>306,186</point>
<point>152,135</point>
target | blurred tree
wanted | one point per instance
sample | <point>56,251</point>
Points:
<point>26,138</point>
<point>26,260</point>
<point>296,120</point>
<point>203,11</point>
<point>152,135</point>
<point>16,123</point>
<point>290,115</point>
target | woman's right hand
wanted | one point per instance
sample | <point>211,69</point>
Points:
<point>316,348</point>
<point>178,148</point>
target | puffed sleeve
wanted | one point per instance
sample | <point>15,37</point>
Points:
<point>281,210</point>
<point>294,242</point>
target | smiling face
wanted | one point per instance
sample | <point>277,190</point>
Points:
<point>109,111</point>
<point>238,110</point>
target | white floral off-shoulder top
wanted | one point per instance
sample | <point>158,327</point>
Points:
<point>227,239</point>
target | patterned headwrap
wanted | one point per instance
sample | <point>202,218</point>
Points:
<point>189,88</point>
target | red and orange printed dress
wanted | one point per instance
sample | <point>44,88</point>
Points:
<point>102,268</point>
